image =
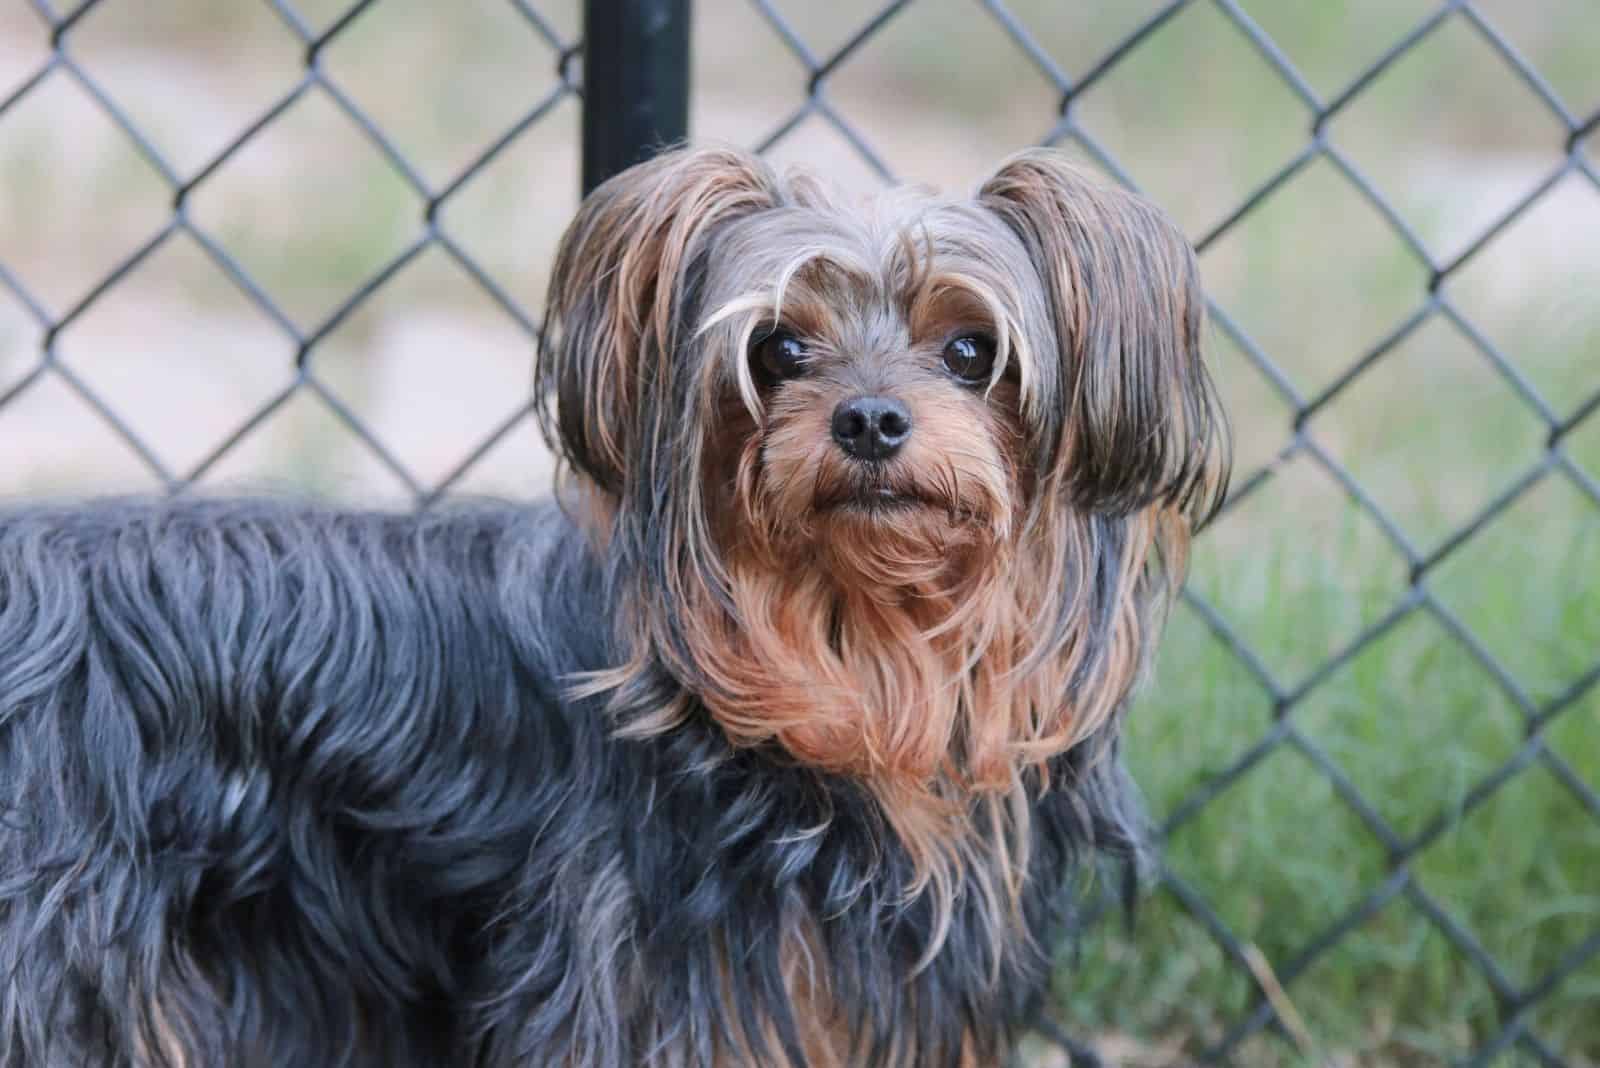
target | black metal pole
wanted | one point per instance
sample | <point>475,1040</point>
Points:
<point>635,82</point>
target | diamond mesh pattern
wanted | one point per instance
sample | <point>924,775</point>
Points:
<point>429,199</point>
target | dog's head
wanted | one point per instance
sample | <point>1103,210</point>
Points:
<point>897,487</point>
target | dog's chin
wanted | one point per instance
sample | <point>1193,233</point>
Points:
<point>894,536</point>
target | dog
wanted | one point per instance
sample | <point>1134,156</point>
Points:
<point>783,734</point>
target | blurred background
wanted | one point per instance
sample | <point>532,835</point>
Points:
<point>1372,743</point>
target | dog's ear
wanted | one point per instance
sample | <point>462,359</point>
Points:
<point>1139,422</point>
<point>619,293</point>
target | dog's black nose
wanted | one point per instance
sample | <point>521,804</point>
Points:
<point>871,428</point>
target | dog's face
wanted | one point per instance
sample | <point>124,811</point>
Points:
<point>891,484</point>
<point>870,374</point>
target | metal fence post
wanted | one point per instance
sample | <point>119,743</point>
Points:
<point>635,82</point>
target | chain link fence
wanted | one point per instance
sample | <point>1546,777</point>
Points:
<point>1514,1030</point>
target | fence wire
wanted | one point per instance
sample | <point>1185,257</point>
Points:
<point>1516,1001</point>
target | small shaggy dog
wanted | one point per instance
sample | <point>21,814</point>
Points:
<point>778,740</point>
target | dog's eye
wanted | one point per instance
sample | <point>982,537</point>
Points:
<point>778,355</point>
<point>970,357</point>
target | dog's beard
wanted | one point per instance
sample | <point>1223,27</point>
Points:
<point>938,660</point>
<point>874,620</point>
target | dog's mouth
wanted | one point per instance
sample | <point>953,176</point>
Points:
<point>887,502</point>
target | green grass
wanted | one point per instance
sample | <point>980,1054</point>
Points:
<point>1415,723</point>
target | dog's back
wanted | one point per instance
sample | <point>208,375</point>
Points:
<point>268,771</point>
